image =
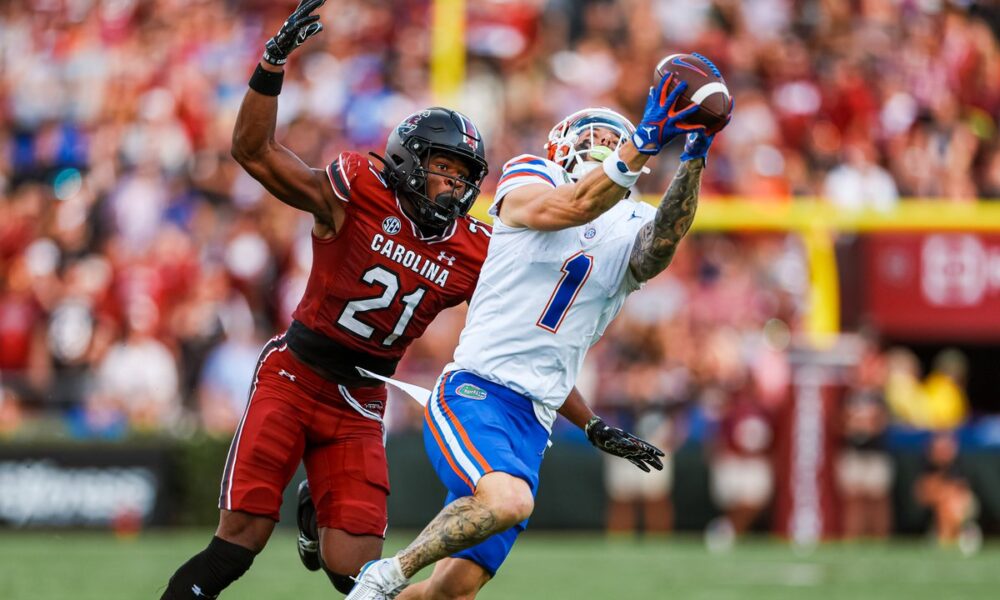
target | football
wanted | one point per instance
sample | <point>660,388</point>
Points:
<point>706,88</point>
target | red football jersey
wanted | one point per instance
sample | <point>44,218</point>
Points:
<point>377,284</point>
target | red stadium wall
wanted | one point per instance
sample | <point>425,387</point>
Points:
<point>935,287</point>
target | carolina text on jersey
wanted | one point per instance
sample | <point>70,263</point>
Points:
<point>421,265</point>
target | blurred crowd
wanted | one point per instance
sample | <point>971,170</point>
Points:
<point>141,269</point>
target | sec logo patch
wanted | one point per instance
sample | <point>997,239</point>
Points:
<point>472,392</point>
<point>391,225</point>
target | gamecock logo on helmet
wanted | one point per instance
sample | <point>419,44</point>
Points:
<point>411,122</point>
<point>391,225</point>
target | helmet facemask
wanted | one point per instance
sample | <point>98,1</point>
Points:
<point>578,143</point>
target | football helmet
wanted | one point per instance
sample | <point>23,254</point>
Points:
<point>410,145</point>
<point>581,141</point>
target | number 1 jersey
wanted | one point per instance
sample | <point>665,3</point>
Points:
<point>544,297</point>
<point>377,284</point>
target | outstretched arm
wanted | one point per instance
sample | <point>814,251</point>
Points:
<point>276,167</point>
<point>657,241</point>
<point>570,204</point>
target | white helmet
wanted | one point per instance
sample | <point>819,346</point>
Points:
<point>572,145</point>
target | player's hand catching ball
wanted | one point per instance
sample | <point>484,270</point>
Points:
<point>622,443</point>
<point>662,120</point>
<point>299,27</point>
<point>698,142</point>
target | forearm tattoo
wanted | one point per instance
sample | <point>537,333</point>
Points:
<point>657,240</point>
<point>460,525</point>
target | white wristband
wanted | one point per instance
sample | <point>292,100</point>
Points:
<point>617,171</point>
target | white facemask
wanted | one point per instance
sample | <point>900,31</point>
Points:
<point>594,158</point>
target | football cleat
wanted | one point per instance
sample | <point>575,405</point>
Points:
<point>379,580</point>
<point>308,542</point>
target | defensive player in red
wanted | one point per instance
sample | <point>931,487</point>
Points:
<point>392,247</point>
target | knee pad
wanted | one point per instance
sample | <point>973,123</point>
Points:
<point>343,583</point>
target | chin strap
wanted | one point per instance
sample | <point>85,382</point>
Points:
<point>393,178</point>
<point>388,169</point>
<point>581,168</point>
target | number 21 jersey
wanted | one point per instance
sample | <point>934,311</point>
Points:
<point>378,283</point>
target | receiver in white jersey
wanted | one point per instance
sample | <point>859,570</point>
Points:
<point>545,297</point>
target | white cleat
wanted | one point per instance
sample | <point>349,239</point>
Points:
<point>379,580</point>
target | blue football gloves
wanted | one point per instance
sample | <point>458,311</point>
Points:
<point>698,142</point>
<point>697,146</point>
<point>662,121</point>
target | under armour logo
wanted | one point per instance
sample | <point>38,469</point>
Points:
<point>445,258</point>
<point>649,129</point>
<point>286,375</point>
<point>634,216</point>
<point>197,592</point>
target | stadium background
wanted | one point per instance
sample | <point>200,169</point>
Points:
<point>141,270</point>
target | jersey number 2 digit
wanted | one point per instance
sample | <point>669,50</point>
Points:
<point>390,287</point>
<point>575,272</point>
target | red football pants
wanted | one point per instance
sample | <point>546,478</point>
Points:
<point>294,414</point>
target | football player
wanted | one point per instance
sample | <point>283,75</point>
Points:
<point>563,258</point>
<point>392,247</point>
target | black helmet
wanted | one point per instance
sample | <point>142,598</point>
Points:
<point>412,142</point>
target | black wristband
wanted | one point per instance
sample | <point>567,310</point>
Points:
<point>266,82</point>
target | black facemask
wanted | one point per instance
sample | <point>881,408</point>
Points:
<point>437,213</point>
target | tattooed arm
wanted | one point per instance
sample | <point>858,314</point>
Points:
<point>657,240</point>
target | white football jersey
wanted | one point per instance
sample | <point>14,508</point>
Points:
<point>545,297</point>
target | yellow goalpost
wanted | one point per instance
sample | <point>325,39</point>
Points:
<point>447,50</point>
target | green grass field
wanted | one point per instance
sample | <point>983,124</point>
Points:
<point>82,566</point>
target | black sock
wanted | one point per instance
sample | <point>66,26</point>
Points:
<point>209,572</point>
<point>343,583</point>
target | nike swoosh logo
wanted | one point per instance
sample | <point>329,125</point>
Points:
<point>683,63</point>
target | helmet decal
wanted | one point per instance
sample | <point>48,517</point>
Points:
<point>472,137</point>
<point>409,124</point>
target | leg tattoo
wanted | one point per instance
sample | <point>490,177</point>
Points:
<point>460,525</point>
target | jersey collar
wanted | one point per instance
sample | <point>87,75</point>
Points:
<point>433,239</point>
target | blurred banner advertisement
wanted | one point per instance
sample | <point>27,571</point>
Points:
<point>933,286</point>
<point>118,487</point>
